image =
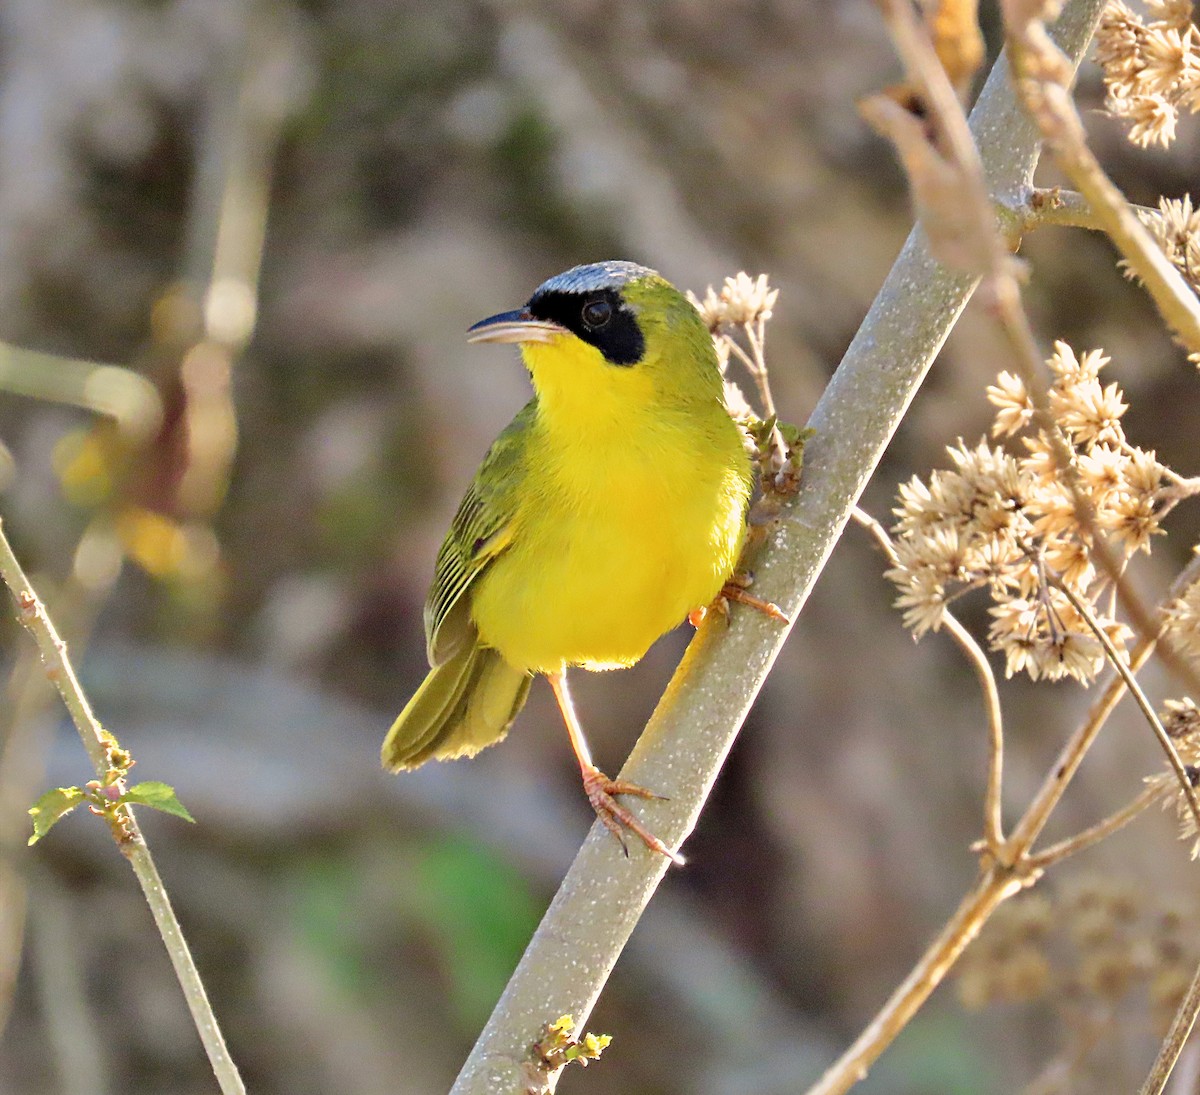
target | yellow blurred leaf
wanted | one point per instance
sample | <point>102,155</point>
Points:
<point>83,462</point>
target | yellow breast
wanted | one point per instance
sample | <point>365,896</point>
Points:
<point>627,522</point>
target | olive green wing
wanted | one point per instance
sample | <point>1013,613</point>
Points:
<point>466,703</point>
<point>481,530</point>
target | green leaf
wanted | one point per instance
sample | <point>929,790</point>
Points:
<point>51,807</point>
<point>794,435</point>
<point>158,796</point>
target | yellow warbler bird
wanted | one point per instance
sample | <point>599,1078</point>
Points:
<point>611,508</point>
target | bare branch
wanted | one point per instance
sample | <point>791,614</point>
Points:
<point>1118,662</point>
<point>1181,1027</point>
<point>32,614</point>
<point>1098,832</point>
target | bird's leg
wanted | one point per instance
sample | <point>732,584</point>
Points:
<point>737,588</point>
<point>600,789</point>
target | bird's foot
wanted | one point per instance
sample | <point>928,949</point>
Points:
<point>737,588</point>
<point>600,791</point>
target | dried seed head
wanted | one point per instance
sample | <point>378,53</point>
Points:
<point>1151,69</point>
<point>1010,523</point>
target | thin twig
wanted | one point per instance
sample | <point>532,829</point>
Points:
<point>993,818</point>
<point>994,886</point>
<point>1060,208</point>
<point>1118,661</point>
<point>1071,755</point>
<point>756,336</point>
<point>1093,834</point>
<point>1181,1027</point>
<point>993,821</point>
<point>31,612</point>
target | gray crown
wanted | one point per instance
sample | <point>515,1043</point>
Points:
<point>612,274</point>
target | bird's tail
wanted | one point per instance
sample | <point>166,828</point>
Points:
<point>463,705</point>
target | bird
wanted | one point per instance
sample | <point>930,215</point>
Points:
<point>609,510</point>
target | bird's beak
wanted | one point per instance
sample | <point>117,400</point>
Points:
<point>518,326</point>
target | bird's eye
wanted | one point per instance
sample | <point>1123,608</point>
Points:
<point>596,313</point>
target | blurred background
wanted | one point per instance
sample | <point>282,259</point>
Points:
<point>241,242</point>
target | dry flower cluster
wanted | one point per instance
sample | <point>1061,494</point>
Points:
<point>1009,523</point>
<point>739,312</point>
<point>1098,939</point>
<point>743,305</point>
<point>1181,720</point>
<point>1175,226</point>
<point>742,299</point>
<point>1183,623</point>
<point>1151,68</point>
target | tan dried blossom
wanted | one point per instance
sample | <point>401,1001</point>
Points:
<point>1181,720</point>
<point>1046,638</point>
<point>997,561</point>
<point>1175,226</point>
<point>1166,58</point>
<point>1151,69</point>
<point>922,599</point>
<point>1119,40</point>
<point>1071,559</point>
<point>1088,412</point>
<point>1183,622</point>
<point>992,471</point>
<point>1172,13</point>
<point>1015,407</point>
<point>1153,121</point>
<point>1132,520</point>
<point>949,498</point>
<point>748,299</point>
<point>1068,368</point>
<point>1103,470</point>
<point>711,309</point>
<point>1010,523</point>
<point>742,300</point>
<point>1040,463</point>
<point>1052,512</point>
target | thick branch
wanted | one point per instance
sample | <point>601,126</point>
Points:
<point>686,741</point>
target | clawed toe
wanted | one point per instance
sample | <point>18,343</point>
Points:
<point>616,818</point>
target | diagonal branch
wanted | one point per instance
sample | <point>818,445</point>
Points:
<point>1181,1027</point>
<point>682,749</point>
<point>1119,664</point>
<point>1102,830</point>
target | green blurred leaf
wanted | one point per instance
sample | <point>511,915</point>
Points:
<point>327,904</point>
<point>483,912</point>
<point>54,805</point>
<point>158,796</point>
